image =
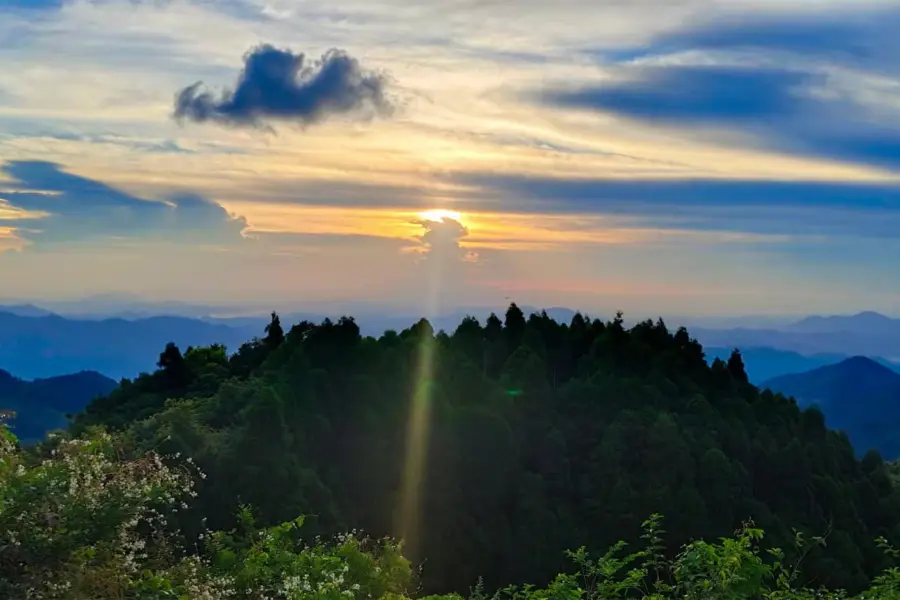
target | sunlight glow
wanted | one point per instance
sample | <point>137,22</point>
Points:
<point>439,214</point>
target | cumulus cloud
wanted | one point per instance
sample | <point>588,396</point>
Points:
<point>441,240</point>
<point>279,85</point>
<point>52,205</point>
<point>443,269</point>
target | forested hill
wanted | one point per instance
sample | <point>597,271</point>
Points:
<point>857,395</point>
<point>543,437</point>
<point>42,404</point>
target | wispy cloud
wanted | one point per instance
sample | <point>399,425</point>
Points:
<point>861,39</point>
<point>278,85</point>
<point>756,207</point>
<point>52,205</point>
<point>820,85</point>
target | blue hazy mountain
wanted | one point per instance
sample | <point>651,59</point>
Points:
<point>859,396</point>
<point>42,405</point>
<point>763,364</point>
<point>864,323</point>
<point>46,346</point>
<point>862,334</point>
<point>25,310</point>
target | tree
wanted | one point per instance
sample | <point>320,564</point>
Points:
<point>514,326</point>
<point>274,332</point>
<point>583,429</point>
<point>736,367</point>
<point>175,373</point>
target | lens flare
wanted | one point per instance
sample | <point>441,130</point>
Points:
<point>409,526</point>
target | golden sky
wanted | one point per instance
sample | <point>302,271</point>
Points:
<point>678,156</point>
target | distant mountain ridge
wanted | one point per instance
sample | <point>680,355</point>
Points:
<point>42,341</point>
<point>868,322</point>
<point>858,395</point>
<point>42,405</point>
<point>762,364</point>
<point>25,310</point>
<point>847,336</point>
<point>45,346</point>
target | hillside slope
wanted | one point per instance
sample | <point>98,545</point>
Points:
<point>858,395</point>
<point>506,442</point>
<point>42,405</point>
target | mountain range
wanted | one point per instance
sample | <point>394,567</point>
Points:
<point>846,336</point>
<point>859,396</point>
<point>34,347</point>
<point>763,364</point>
<point>36,341</point>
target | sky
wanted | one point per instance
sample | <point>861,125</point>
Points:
<point>713,157</point>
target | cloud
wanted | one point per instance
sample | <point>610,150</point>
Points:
<point>61,207</point>
<point>442,274</point>
<point>791,208</point>
<point>818,84</point>
<point>695,94</point>
<point>441,240</point>
<point>863,38</point>
<point>782,109</point>
<point>279,85</point>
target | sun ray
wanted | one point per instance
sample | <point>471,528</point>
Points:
<point>420,413</point>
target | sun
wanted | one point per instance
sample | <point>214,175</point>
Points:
<point>439,214</point>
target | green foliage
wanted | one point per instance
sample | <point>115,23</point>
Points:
<point>732,568</point>
<point>76,520</point>
<point>539,437</point>
<point>79,522</point>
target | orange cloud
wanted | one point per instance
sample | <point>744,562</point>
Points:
<point>9,240</point>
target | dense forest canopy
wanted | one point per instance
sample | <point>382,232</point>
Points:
<point>495,448</point>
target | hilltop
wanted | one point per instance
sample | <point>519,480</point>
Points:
<point>505,442</point>
<point>857,395</point>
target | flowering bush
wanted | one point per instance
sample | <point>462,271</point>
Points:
<point>276,563</point>
<point>78,521</point>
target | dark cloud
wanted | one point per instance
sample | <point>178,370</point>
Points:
<point>861,39</point>
<point>796,103</point>
<point>80,208</point>
<point>710,94</point>
<point>778,109</point>
<point>758,207</point>
<point>279,85</point>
